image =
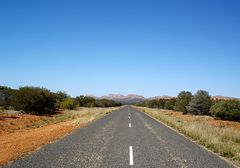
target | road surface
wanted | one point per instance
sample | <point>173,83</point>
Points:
<point>125,138</point>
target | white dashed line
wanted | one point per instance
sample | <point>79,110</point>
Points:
<point>130,155</point>
<point>130,147</point>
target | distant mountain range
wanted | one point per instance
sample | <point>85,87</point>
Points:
<point>224,98</point>
<point>133,98</point>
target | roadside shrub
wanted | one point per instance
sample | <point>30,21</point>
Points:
<point>200,104</point>
<point>107,103</point>
<point>60,97</point>
<point>86,101</point>
<point>183,100</point>
<point>170,103</point>
<point>140,104</point>
<point>156,103</point>
<point>69,103</point>
<point>226,110</point>
<point>6,96</point>
<point>34,100</point>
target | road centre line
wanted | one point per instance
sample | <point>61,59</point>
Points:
<point>130,125</point>
<point>130,155</point>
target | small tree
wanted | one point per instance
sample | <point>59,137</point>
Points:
<point>6,96</point>
<point>200,103</point>
<point>86,101</point>
<point>183,100</point>
<point>155,103</point>
<point>34,100</point>
<point>69,103</point>
<point>60,97</point>
<point>152,103</point>
<point>226,110</point>
<point>141,104</point>
<point>3,100</point>
<point>170,103</point>
<point>106,103</point>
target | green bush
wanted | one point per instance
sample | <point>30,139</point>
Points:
<point>86,101</point>
<point>226,110</point>
<point>60,97</point>
<point>69,103</point>
<point>200,104</point>
<point>6,96</point>
<point>170,103</point>
<point>106,103</point>
<point>183,101</point>
<point>156,103</point>
<point>34,100</point>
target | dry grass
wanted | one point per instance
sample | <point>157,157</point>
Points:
<point>222,137</point>
<point>11,123</point>
<point>91,114</point>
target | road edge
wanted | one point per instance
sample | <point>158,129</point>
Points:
<point>62,136</point>
<point>190,139</point>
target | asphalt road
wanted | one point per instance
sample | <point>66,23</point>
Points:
<point>124,138</point>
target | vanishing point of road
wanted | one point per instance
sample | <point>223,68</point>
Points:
<point>124,138</point>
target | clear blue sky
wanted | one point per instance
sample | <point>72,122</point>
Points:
<point>121,46</point>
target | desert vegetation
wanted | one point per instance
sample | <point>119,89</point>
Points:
<point>35,116</point>
<point>201,118</point>
<point>201,103</point>
<point>37,100</point>
<point>226,110</point>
